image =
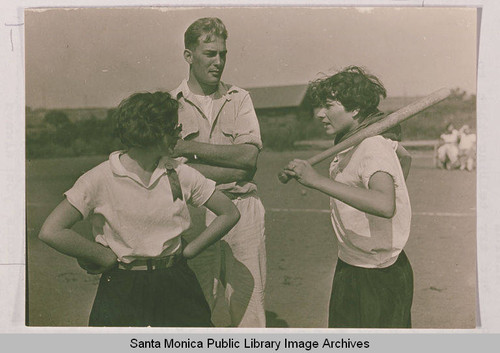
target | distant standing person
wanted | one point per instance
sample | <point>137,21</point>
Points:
<point>447,152</point>
<point>370,207</point>
<point>467,148</point>
<point>221,139</point>
<point>137,202</point>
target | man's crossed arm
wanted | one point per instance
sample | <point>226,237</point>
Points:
<point>221,163</point>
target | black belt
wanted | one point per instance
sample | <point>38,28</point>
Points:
<point>151,264</point>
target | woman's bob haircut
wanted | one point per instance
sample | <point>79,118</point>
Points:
<point>352,87</point>
<point>145,119</point>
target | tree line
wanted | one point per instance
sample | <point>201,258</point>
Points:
<point>58,136</point>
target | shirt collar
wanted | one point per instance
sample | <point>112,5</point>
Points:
<point>345,151</point>
<point>118,169</point>
<point>167,163</point>
<point>116,166</point>
<point>340,155</point>
<point>223,90</point>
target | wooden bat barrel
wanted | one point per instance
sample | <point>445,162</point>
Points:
<point>377,128</point>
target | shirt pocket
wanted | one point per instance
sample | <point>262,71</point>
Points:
<point>190,127</point>
<point>226,123</point>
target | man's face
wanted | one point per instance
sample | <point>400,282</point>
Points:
<point>334,117</point>
<point>207,61</point>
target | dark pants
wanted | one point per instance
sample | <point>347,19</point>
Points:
<point>169,297</point>
<point>372,298</point>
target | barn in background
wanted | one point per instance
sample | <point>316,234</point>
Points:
<point>285,115</point>
<point>281,103</point>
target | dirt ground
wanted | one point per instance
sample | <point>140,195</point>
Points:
<point>300,246</point>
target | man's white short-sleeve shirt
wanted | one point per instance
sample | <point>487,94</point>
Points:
<point>366,240</point>
<point>232,121</point>
<point>133,219</point>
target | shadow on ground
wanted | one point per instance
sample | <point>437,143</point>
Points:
<point>272,320</point>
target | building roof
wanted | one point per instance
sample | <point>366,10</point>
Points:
<point>278,96</point>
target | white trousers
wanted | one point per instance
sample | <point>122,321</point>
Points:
<point>448,153</point>
<point>236,267</point>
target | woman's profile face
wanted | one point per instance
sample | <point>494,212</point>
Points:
<point>335,118</point>
<point>170,140</point>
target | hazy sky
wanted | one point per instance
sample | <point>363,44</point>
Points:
<point>97,57</point>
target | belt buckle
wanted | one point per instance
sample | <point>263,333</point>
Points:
<point>161,263</point>
<point>151,264</point>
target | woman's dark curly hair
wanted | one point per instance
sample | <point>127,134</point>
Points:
<point>352,87</point>
<point>144,119</point>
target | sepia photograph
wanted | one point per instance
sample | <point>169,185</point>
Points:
<point>251,167</point>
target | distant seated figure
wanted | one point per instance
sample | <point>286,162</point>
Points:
<point>467,148</point>
<point>447,152</point>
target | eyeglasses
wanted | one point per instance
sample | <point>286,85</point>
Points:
<point>176,131</point>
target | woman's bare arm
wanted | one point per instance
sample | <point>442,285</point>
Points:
<point>57,233</point>
<point>378,199</point>
<point>227,216</point>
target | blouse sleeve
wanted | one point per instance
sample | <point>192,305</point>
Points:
<point>377,155</point>
<point>83,195</point>
<point>196,188</point>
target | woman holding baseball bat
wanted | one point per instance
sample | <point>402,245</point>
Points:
<point>370,207</point>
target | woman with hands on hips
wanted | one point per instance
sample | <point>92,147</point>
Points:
<point>137,203</point>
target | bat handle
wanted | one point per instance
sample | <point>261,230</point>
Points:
<point>283,177</point>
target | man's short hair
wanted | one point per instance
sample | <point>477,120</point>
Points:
<point>207,27</point>
<point>352,87</point>
<point>144,119</point>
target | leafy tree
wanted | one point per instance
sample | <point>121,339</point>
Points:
<point>56,118</point>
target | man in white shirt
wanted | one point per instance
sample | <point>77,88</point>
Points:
<point>221,139</point>
<point>447,152</point>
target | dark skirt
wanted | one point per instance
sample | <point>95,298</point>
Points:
<point>170,297</point>
<point>372,298</point>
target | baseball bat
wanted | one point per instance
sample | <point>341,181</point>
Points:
<point>376,128</point>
